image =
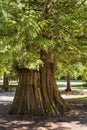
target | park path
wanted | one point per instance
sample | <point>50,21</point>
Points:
<point>72,83</point>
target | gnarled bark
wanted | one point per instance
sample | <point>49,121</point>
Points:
<point>37,93</point>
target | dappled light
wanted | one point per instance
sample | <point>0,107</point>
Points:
<point>7,96</point>
<point>76,118</point>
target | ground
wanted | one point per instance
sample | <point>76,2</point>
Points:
<point>75,119</point>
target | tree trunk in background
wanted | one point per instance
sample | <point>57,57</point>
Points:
<point>86,83</point>
<point>68,84</point>
<point>37,93</point>
<point>5,82</point>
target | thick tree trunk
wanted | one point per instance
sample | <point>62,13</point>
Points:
<point>37,93</point>
<point>5,82</point>
<point>68,84</point>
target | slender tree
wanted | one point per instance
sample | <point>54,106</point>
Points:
<point>5,82</point>
<point>68,83</point>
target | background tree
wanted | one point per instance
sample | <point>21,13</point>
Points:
<point>69,72</point>
<point>5,65</point>
<point>72,51</point>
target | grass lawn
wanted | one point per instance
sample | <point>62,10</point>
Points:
<point>79,87</point>
<point>78,92</point>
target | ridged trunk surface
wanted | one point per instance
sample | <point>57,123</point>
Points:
<point>37,93</point>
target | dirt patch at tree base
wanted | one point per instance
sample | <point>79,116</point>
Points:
<point>75,119</point>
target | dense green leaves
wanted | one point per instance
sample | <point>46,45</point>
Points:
<point>25,31</point>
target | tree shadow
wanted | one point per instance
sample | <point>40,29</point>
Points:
<point>74,92</point>
<point>77,114</point>
<point>8,94</point>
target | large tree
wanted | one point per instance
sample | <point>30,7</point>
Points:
<point>31,30</point>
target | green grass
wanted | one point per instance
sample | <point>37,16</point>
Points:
<point>79,98</point>
<point>64,80</point>
<point>10,83</point>
<point>79,87</point>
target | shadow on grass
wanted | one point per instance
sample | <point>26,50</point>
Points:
<point>74,92</point>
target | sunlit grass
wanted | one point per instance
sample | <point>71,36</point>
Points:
<point>10,82</point>
<point>74,96</point>
<point>79,98</point>
<point>79,87</point>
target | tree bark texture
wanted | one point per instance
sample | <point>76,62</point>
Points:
<point>37,93</point>
<point>5,82</point>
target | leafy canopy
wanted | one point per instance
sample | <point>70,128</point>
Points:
<point>25,31</point>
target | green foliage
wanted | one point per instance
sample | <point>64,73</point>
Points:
<point>21,30</point>
<point>25,31</point>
